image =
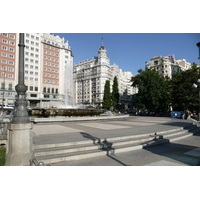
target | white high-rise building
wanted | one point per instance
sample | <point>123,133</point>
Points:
<point>48,69</point>
<point>168,65</point>
<point>90,77</point>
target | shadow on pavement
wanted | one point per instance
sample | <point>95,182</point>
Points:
<point>177,152</point>
<point>103,146</point>
<point>88,136</point>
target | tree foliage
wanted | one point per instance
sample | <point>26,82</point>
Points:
<point>153,90</point>
<point>107,96</point>
<point>115,94</point>
<point>183,95</point>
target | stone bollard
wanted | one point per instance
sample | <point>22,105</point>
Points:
<point>19,149</point>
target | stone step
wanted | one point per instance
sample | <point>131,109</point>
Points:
<point>98,152</point>
<point>129,137</point>
<point>88,147</point>
<point>53,153</point>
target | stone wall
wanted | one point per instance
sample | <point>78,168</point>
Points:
<point>56,112</point>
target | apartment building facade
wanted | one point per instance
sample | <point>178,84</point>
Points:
<point>126,90</point>
<point>168,65</point>
<point>48,58</point>
<point>8,67</point>
<point>90,77</point>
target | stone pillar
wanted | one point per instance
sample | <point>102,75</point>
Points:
<point>19,140</point>
<point>19,150</point>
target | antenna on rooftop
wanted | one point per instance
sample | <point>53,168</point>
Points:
<point>198,45</point>
<point>102,42</point>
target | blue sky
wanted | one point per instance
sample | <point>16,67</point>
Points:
<point>131,50</point>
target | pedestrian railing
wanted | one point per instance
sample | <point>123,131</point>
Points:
<point>3,126</point>
<point>35,162</point>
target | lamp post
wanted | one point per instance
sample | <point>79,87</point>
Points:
<point>195,85</point>
<point>3,88</point>
<point>19,143</point>
<point>198,45</point>
<point>21,113</point>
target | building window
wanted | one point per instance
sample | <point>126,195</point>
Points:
<point>31,88</point>
<point>3,61</point>
<point>10,76</point>
<point>12,36</point>
<point>11,63</point>
<point>10,69</point>
<point>4,54</point>
<point>156,62</point>
<point>12,43</point>
<point>4,41</point>
<point>11,49</point>
<point>33,95</point>
<point>4,48</point>
<point>36,88</point>
<point>5,34</point>
<point>11,56</point>
<point>10,86</point>
<point>44,89</point>
<point>3,86</point>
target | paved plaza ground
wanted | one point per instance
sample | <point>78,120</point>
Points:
<point>184,152</point>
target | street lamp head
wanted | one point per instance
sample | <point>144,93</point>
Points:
<point>198,81</point>
<point>198,44</point>
<point>194,85</point>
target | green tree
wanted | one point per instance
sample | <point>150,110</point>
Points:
<point>115,94</point>
<point>107,96</point>
<point>183,95</point>
<point>153,90</point>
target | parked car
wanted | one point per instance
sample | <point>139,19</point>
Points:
<point>6,106</point>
